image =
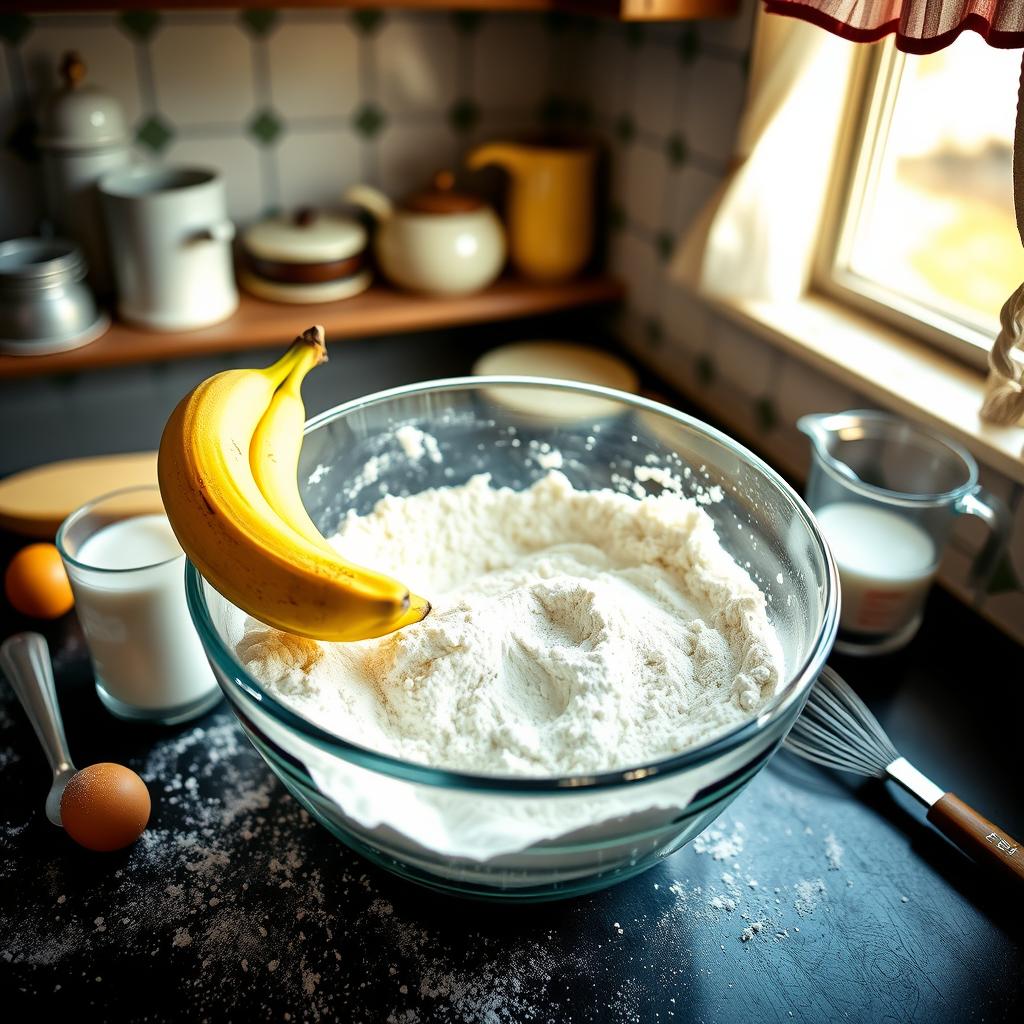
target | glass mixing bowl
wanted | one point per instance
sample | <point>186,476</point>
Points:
<point>510,838</point>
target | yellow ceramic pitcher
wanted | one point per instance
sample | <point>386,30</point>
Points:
<point>550,205</point>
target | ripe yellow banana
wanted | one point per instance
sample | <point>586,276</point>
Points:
<point>237,540</point>
<point>274,458</point>
<point>274,452</point>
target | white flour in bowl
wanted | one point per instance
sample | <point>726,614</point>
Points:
<point>571,631</point>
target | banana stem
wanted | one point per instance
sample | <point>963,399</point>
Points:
<point>313,354</point>
<point>310,344</point>
<point>314,336</point>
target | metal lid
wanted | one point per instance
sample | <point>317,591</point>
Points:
<point>309,236</point>
<point>27,263</point>
<point>81,116</point>
<point>442,198</point>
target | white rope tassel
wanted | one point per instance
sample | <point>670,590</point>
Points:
<point>1004,401</point>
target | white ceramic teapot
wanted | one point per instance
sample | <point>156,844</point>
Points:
<point>439,241</point>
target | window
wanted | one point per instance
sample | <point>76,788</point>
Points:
<point>921,230</point>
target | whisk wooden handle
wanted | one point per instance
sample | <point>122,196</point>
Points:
<point>988,844</point>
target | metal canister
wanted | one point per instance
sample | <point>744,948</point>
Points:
<point>45,304</point>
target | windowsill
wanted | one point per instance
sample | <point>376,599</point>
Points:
<point>894,370</point>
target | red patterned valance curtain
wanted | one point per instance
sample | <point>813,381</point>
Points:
<point>920,26</point>
<point>924,26</point>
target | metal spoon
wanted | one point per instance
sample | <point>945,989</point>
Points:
<point>25,660</point>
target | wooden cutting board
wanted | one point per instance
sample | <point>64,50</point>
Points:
<point>36,501</point>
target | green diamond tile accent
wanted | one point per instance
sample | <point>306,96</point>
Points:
<point>463,116</point>
<point>260,22</point>
<point>665,244</point>
<point>688,45</point>
<point>369,121</point>
<point>154,133</point>
<point>265,127</point>
<point>14,27</point>
<point>706,371</point>
<point>634,35</point>
<point>654,332</point>
<point>139,24</point>
<point>368,22</point>
<point>676,150</point>
<point>21,140</point>
<point>554,110</point>
<point>616,217</point>
<point>1004,578</point>
<point>625,130</point>
<point>766,414</point>
<point>467,22</point>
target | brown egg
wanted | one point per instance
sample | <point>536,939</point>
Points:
<point>105,807</point>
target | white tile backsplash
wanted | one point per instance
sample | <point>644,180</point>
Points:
<point>634,260</point>
<point>315,167</point>
<point>644,175</point>
<point>205,75</point>
<point>416,66</point>
<point>747,363</point>
<point>410,157</point>
<point>109,55</point>
<point>689,189</point>
<point>314,69</point>
<point>656,85</point>
<point>607,78</point>
<point>510,63</point>
<point>713,98</point>
<point>687,321</point>
<point>733,33</point>
<point>237,159</point>
<point>802,390</point>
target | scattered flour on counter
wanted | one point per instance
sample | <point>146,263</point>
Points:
<point>572,631</point>
<point>719,845</point>
<point>833,852</point>
<point>809,893</point>
<point>754,928</point>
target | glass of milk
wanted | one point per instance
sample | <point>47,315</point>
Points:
<point>128,575</point>
<point>886,493</point>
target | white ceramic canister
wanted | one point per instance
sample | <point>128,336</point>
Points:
<point>170,244</point>
<point>82,137</point>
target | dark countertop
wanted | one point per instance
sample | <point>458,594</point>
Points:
<point>236,906</point>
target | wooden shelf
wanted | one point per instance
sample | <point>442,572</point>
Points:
<point>380,310</point>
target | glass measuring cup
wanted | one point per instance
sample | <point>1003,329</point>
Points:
<point>886,493</point>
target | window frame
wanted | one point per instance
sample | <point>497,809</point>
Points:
<point>867,112</point>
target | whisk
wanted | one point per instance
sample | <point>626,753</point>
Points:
<point>837,730</point>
